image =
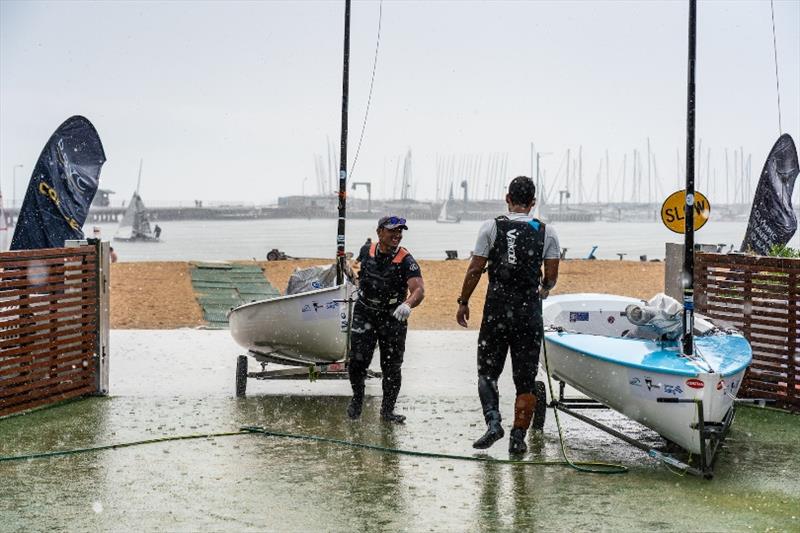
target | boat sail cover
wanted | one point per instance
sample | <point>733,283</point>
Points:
<point>772,218</point>
<point>660,318</point>
<point>62,187</point>
<point>135,223</point>
<point>316,277</point>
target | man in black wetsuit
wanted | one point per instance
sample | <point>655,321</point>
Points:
<point>515,247</point>
<point>389,286</point>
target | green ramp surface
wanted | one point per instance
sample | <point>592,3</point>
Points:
<point>219,287</point>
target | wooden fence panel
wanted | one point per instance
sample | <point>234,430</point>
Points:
<point>761,297</point>
<point>48,326</point>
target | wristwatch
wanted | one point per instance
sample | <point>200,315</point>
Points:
<point>462,301</point>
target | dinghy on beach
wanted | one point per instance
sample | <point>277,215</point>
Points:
<point>593,345</point>
<point>304,328</point>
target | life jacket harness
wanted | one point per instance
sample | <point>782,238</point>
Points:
<point>398,257</point>
<point>382,289</point>
<point>515,259</point>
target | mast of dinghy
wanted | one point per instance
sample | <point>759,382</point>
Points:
<point>688,246</point>
<point>340,254</point>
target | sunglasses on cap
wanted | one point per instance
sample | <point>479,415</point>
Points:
<point>392,222</point>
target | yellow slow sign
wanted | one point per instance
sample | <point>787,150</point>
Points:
<point>673,211</point>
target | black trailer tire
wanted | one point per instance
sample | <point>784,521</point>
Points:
<point>241,376</point>
<point>272,256</point>
<point>541,406</point>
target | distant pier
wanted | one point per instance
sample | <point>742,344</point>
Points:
<point>472,210</point>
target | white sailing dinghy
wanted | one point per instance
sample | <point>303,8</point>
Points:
<point>612,348</point>
<point>299,329</point>
<point>655,362</point>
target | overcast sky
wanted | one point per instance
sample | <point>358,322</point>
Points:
<point>231,101</point>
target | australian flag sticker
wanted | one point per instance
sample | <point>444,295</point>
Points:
<point>579,316</point>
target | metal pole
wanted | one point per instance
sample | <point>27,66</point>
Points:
<point>688,247</point>
<point>340,257</point>
<point>14,183</point>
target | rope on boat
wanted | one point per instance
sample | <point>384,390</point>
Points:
<point>258,430</point>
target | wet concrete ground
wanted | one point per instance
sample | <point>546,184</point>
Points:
<point>181,382</point>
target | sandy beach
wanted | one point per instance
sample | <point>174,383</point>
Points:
<point>159,295</point>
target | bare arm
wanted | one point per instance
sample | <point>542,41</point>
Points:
<point>550,277</point>
<point>471,279</point>
<point>416,289</point>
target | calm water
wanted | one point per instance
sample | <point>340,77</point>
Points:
<point>181,382</point>
<point>228,240</point>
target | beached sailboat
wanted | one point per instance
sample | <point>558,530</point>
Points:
<point>652,361</point>
<point>310,327</point>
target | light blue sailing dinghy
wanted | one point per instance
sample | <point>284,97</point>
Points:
<point>626,354</point>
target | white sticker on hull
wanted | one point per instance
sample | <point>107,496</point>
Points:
<point>319,310</point>
<point>651,387</point>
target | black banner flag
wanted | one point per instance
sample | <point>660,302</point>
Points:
<point>62,187</point>
<point>772,218</point>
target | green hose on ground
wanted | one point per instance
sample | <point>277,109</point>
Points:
<point>258,430</point>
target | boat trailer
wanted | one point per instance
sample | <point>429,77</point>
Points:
<point>295,370</point>
<point>712,434</point>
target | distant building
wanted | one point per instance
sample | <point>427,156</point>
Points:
<point>309,202</point>
<point>102,198</point>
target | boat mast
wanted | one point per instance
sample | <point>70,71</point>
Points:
<point>139,179</point>
<point>340,257</point>
<point>688,244</point>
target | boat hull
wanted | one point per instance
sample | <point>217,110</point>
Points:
<point>309,327</point>
<point>630,375</point>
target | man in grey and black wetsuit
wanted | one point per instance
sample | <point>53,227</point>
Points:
<point>515,247</point>
<point>389,286</point>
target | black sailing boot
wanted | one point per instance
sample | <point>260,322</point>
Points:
<point>392,378</point>
<point>516,442</point>
<point>524,407</point>
<point>494,431</point>
<point>393,417</point>
<point>356,402</point>
<point>490,401</point>
<point>387,410</point>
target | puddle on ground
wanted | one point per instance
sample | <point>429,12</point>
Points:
<point>181,382</point>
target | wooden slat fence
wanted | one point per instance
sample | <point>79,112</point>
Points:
<point>48,326</point>
<point>761,297</point>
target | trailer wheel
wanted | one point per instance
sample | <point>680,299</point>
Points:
<point>541,406</point>
<point>273,255</point>
<point>241,375</point>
